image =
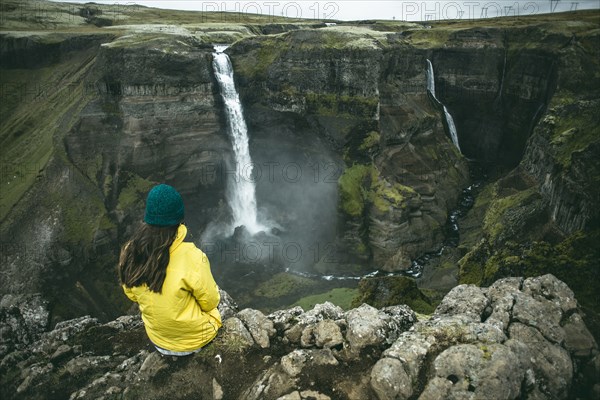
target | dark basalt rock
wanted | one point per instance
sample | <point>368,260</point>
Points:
<point>131,110</point>
<point>517,338</point>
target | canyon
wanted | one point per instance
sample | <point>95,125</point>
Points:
<point>352,159</point>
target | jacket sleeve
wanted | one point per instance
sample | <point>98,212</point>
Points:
<point>129,293</point>
<point>204,288</point>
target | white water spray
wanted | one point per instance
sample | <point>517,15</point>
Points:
<point>430,79</point>
<point>241,194</point>
<point>447,115</point>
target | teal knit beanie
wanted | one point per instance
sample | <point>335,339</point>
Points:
<point>164,206</point>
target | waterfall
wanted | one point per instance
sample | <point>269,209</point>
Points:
<point>498,99</point>
<point>451,127</point>
<point>430,79</point>
<point>241,195</point>
<point>447,115</point>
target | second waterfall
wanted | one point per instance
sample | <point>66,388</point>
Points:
<point>447,115</point>
<point>241,195</point>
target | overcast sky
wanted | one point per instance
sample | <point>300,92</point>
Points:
<point>419,10</point>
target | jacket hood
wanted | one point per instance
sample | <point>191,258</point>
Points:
<point>181,234</point>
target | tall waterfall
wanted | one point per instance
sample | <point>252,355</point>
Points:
<point>447,115</point>
<point>240,191</point>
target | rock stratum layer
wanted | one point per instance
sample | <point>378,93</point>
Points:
<point>518,338</point>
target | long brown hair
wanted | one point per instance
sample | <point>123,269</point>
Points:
<point>145,257</point>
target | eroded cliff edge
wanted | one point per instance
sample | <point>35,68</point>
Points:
<point>518,338</point>
<point>96,115</point>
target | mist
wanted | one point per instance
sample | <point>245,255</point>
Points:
<point>295,175</point>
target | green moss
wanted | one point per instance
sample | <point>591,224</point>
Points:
<point>75,229</point>
<point>106,223</point>
<point>493,223</point>
<point>352,189</point>
<point>341,37</point>
<point>370,141</point>
<point>265,57</point>
<point>342,297</point>
<point>329,104</point>
<point>37,108</point>
<point>389,291</point>
<point>472,265</point>
<point>362,248</point>
<point>429,38</point>
<point>573,128</point>
<point>362,184</point>
<point>431,151</point>
<point>446,335</point>
<point>485,196</point>
<point>107,185</point>
<point>487,353</point>
<point>81,213</point>
<point>575,260</point>
<point>384,195</point>
<point>338,38</point>
<point>434,297</point>
<point>135,190</point>
<point>225,343</point>
<point>469,238</point>
<point>259,54</point>
<point>283,284</point>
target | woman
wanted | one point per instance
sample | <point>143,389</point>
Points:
<point>169,278</point>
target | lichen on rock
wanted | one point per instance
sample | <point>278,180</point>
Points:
<point>478,343</point>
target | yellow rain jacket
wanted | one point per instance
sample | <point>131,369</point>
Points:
<point>184,317</point>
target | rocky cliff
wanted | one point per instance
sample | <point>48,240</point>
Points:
<point>362,92</point>
<point>101,102</point>
<point>542,215</point>
<point>518,338</point>
<point>127,112</point>
<point>94,116</point>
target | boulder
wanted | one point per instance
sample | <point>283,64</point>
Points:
<point>236,330</point>
<point>368,326</point>
<point>475,371</point>
<point>260,327</point>
<point>467,300</point>
<point>386,354</point>
<point>327,334</point>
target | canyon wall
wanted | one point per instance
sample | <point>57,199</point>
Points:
<point>92,119</point>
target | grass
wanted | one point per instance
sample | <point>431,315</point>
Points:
<point>493,223</point>
<point>389,291</point>
<point>574,132</point>
<point>45,15</point>
<point>385,195</point>
<point>373,138</point>
<point>342,297</point>
<point>283,284</point>
<point>133,192</point>
<point>259,54</point>
<point>361,185</point>
<point>346,38</point>
<point>352,189</point>
<point>527,31</point>
<point>38,106</point>
<point>575,261</point>
<point>225,343</point>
